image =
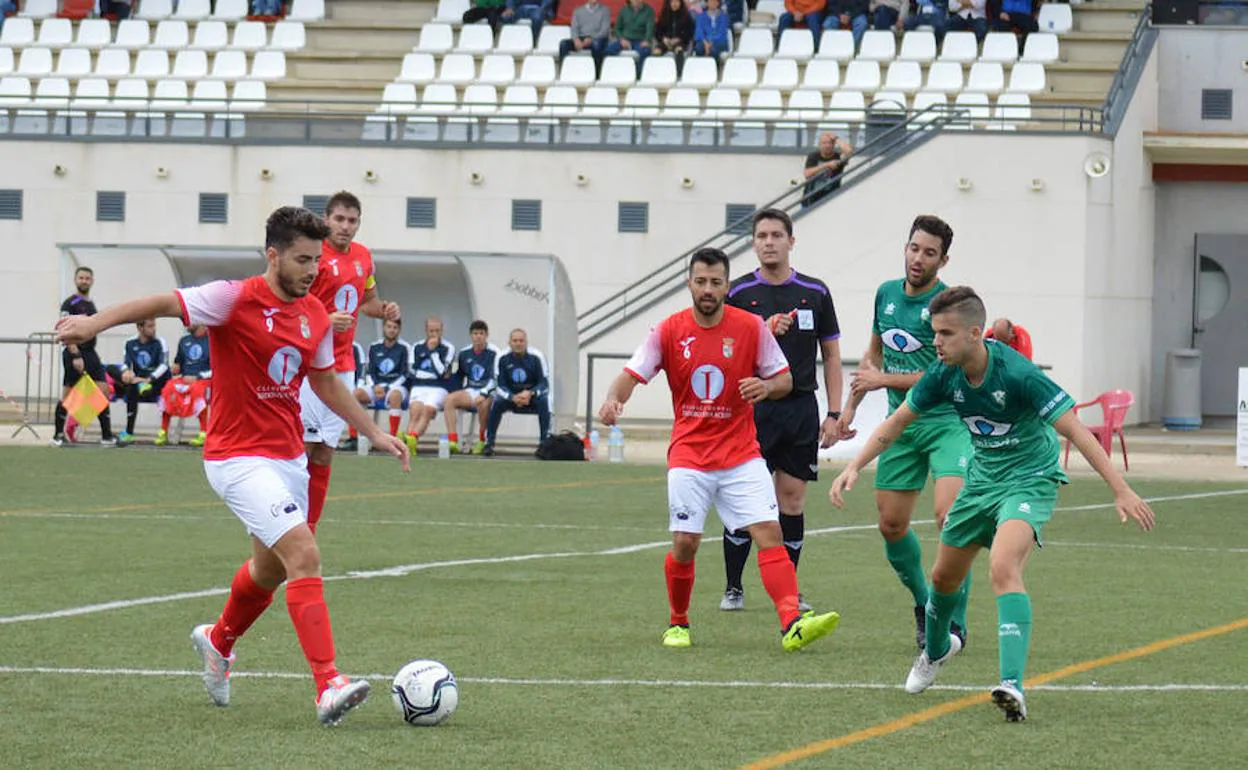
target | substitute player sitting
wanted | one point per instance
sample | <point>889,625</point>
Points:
<point>385,380</point>
<point>188,391</point>
<point>719,362</point>
<point>1013,412</point>
<point>430,380</point>
<point>474,368</point>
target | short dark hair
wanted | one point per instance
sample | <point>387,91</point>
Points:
<point>961,300</point>
<point>934,225</point>
<point>478,325</point>
<point>775,214</point>
<point>344,199</point>
<point>398,321</point>
<point>84,269</point>
<point>290,222</point>
<point>709,255</point>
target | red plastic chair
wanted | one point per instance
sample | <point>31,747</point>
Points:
<point>1114,405</point>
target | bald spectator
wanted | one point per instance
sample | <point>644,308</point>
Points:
<point>1011,334</point>
<point>824,167</point>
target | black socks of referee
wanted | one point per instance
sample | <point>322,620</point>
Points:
<point>61,417</point>
<point>106,422</point>
<point>737,547</point>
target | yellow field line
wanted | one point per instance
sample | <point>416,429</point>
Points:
<point>961,704</point>
<point>358,496</point>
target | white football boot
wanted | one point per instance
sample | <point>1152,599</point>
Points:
<point>924,671</point>
<point>341,696</point>
<point>216,666</point>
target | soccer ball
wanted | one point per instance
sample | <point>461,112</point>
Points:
<point>425,693</point>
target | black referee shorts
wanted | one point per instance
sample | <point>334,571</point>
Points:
<point>91,367</point>
<point>788,434</point>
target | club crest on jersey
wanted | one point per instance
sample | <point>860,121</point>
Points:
<point>958,397</point>
<point>304,328</point>
<point>999,397</point>
<point>727,347</point>
<point>684,346</point>
<point>359,269</point>
<point>925,315</point>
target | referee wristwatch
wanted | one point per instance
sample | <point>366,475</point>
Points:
<point>834,415</point>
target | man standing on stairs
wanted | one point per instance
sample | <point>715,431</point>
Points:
<point>798,310</point>
<point>346,286</point>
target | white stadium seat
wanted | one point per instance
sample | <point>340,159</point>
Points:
<point>658,72</point>
<point>945,77</point>
<point>131,94</point>
<point>154,10</point>
<point>307,10</point>
<point>796,44</point>
<point>193,10</point>
<point>822,75</point>
<point>552,35</point>
<point>398,98</point>
<point>458,69</point>
<point>904,76</point>
<point>152,64</point>
<point>55,33</point>
<point>6,61</point>
<point>700,72</point>
<point>35,63</point>
<point>435,39</point>
<point>836,44</point>
<point>959,47</point>
<point>985,78</point>
<point>475,39</point>
<point>17,33</point>
<point>918,45</point>
<point>211,36</point>
<point>515,40</point>
<point>1041,47</point>
<point>755,43</point>
<point>878,45</point>
<point>1012,109</point>
<point>38,9</point>
<point>230,10</point>
<point>249,36</point>
<point>845,108</point>
<point>112,64</point>
<point>805,105</point>
<point>1056,18</point>
<point>190,65</point>
<point>288,36</point>
<point>1027,78</point>
<point>132,34</point>
<point>248,95</point>
<point>73,63</point>
<point>974,103</point>
<point>209,96</point>
<point>1000,47</point>
<point>497,70</point>
<point>229,65</point>
<point>537,70</point>
<point>268,65</point>
<point>925,99</point>
<point>52,94</point>
<point>451,11</point>
<point>169,95</point>
<point>577,71</point>
<point>739,73</point>
<point>14,91</point>
<point>418,68</point>
<point>93,34</point>
<point>618,72</point>
<point>862,75</point>
<point>91,94</point>
<point>171,35</point>
<point>781,74</point>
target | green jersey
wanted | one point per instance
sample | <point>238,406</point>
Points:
<point>905,328</point>
<point>1010,415</point>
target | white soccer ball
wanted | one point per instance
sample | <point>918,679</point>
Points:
<point>425,693</point>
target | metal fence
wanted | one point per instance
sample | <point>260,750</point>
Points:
<point>38,356</point>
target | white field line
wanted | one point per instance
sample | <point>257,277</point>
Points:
<point>407,569</point>
<point>397,571</point>
<point>662,683</point>
<point>1134,547</point>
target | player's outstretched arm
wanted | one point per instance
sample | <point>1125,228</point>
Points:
<point>73,329</point>
<point>618,394</point>
<point>881,439</point>
<point>1129,504</point>
<point>329,389</point>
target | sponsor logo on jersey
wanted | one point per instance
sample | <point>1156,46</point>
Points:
<point>284,365</point>
<point>727,347</point>
<point>982,426</point>
<point>346,299</point>
<point>889,308</point>
<point>901,341</point>
<point>707,382</point>
<point>143,359</point>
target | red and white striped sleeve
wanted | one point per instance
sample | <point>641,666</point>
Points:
<point>770,360</point>
<point>210,304</point>
<point>324,357</point>
<point>647,361</point>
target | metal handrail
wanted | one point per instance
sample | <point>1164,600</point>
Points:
<point>1127,77</point>
<point>902,136</point>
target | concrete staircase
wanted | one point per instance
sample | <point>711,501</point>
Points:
<point>1091,53</point>
<point>353,54</point>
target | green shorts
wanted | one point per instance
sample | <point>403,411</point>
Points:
<point>980,511</point>
<point>941,447</point>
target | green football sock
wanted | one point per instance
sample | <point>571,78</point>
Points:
<point>1014,630</point>
<point>964,597</point>
<point>939,613</point>
<point>906,556</point>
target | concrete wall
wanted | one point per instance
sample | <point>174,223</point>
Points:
<point>1190,59</point>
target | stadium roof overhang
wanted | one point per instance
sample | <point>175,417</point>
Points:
<point>1197,157</point>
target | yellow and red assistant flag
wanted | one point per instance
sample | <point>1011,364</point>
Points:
<point>85,401</point>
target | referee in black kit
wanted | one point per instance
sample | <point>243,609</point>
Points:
<point>798,310</point>
<point>81,359</point>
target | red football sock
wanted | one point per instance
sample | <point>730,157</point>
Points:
<point>351,433</point>
<point>481,431</point>
<point>453,438</point>
<point>203,421</point>
<point>305,598</point>
<point>165,417</point>
<point>780,580</point>
<point>395,419</point>
<point>318,488</point>
<point>680,588</point>
<point>247,602</point>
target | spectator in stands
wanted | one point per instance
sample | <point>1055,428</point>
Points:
<point>430,380</point>
<point>385,380</point>
<point>847,14</point>
<point>272,8</point>
<point>634,29</point>
<point>538,12</point>
<point>825,167</point>
<point>7,8</point>
<point>144,372</point>
<point>674,32</point>
<point>969,15</point>
<point>1017,16</point>
<point>189,390</point>
<point>886,14</point>
<point>523,385</point>
<point>474,370</point>
<point>1011,334</point>
<point>803,13</point>
<point>490,10</point>
<point>930,13</point>
<point>591,28</point>
<point>710,31</point>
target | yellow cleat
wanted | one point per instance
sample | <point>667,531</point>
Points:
<point>412,442</point>
<point>162,438</point>
<point>807,629</point>
<point>677,637</point>
<point>199,439</point>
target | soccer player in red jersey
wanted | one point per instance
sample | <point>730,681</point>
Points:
<point>267,335</point>
<point>347,286</point>
<point>719,361</point>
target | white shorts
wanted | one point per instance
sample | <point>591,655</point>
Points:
<point>396,386</point>
<point>434,397</point>
<point>474,394</point>
<point>743,496</point>
<point>321,425</point>
<point>269,496</point>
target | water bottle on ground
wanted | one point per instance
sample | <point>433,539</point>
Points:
<point>593,444</point>
<point>444,447</point>
<point>363,446</point>
<point>615,445</point>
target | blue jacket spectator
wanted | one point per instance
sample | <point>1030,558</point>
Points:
<point>710,31</point>
<point>523,386</point>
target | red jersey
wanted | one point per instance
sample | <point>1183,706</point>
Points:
<point>341,281</point>
<point>714,427</point>
<point>1021,341</point>
<point>262,348</point>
